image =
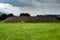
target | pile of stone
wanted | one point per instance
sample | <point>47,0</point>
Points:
<point>30,19</point>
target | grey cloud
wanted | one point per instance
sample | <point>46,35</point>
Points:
<point>35,6</point>
<point>58,1</point>
<point>16,3</point>
<point>48,1</point>
<point>25,3</point>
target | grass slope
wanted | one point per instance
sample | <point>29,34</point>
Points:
<point>29,31</point>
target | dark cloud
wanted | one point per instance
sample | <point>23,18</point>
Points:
<point>49,1</point>
<point>32,6</point>
<point>16,3</point>
<point>25,3</point>
<point>58,1</point>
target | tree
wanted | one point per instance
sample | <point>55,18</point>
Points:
<point>24,14</point>
<point>3,16</point>
<point>10,15</point>
<point>39,15</point>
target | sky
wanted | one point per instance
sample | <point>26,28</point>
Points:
<point>33,7</point>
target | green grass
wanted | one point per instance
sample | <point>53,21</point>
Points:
<point>29,31</point>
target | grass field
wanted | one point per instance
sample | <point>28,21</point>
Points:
<point>29,31</point>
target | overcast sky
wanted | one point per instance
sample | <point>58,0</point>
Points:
<point>33,7</point>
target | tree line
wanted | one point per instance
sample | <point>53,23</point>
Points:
<point>4,16</point>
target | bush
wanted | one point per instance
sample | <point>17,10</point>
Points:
<point>24,14</point>
<point>10,15</point>
<point>3,16</point>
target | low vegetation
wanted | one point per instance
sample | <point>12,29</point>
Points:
<point>29,31</point>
